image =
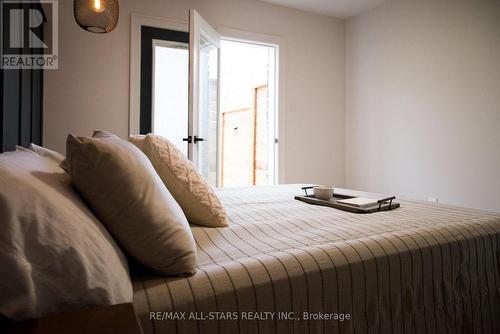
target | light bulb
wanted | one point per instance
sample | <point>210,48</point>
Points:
<point>97,6</point>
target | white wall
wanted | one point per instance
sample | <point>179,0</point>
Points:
<point>423,101</point>
<point>91,88</point>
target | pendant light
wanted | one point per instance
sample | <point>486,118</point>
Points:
<point>97,16</point>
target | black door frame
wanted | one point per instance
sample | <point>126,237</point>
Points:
<point>148,34</point>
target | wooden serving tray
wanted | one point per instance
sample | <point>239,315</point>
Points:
<point>385,204</point>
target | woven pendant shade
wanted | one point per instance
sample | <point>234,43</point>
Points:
<point>98,16</point>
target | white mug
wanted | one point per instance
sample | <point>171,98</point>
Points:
<point>323,192</point>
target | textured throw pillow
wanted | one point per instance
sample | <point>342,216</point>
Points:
<point>195,196</point>
<point>127,195</point>
<point>55,256</point>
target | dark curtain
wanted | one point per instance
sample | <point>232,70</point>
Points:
<point>21,107</point>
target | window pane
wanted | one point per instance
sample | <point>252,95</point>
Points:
<point>170,99</point>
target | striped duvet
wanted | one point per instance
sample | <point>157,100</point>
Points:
<point>284,266</point>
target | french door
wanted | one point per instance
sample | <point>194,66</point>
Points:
<point>204,88</point>
<point>180,91</point>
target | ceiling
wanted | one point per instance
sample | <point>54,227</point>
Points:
<point>335,8</point>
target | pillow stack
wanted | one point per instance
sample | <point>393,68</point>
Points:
<point>121,186</point>
<point>55,254</point>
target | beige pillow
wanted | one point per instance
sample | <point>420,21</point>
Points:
<point>55,256</point>
<point>195,196</point>
<point>126,194</point>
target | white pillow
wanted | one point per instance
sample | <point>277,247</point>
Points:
<point>55,256</point>
<point>46,153</point>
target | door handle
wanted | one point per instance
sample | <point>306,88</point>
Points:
<point>197,139</point>
<point>188,139</point>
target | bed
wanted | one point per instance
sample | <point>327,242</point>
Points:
<point>285,266</point>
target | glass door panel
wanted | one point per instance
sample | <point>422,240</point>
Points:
<point>170,92</point>
<point>204,44</point>
<point>208,111</point>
